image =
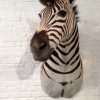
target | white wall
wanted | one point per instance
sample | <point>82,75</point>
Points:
<point>18,21</point>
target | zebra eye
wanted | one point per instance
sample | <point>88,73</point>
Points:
<point>62,13</point>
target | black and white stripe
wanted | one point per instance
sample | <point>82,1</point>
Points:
<point>64,66</point>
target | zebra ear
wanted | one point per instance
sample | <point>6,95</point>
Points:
<point>72,1</point>
<point>47,2</point>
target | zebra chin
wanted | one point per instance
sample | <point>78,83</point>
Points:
<point>42,56</point>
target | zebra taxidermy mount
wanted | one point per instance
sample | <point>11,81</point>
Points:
<point>56,44</point>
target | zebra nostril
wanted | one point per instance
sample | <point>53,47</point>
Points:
<point>42,45</point>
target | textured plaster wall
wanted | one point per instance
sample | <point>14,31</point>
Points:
<point>20,74</point>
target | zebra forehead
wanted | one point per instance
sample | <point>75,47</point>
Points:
<point>67,5</point>
<point>58,5</point>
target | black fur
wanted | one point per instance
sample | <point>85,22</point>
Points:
<point>75,9</point>
<point>71,1</point>
<point>47,2</point>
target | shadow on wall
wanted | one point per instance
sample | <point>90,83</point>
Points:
<point>27,64</point>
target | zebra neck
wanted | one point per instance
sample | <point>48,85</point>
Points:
<point>67,51</point>
<point>70,46</point>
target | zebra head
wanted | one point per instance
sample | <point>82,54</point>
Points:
<point>58,19</point>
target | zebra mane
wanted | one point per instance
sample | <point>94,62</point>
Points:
<point>75,9</point>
